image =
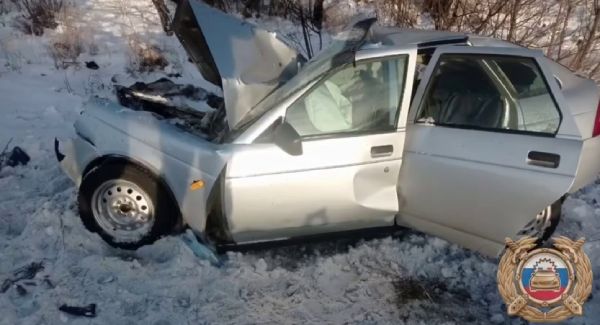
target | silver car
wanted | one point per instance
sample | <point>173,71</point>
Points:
<point>468,138</point>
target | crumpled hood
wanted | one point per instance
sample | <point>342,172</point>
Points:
<point>246,61</point>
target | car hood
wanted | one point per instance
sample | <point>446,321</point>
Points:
<point>246,61</point>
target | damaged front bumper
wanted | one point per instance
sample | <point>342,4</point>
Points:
<point>74,155</point>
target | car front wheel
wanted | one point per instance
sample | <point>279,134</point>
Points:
<point>126,205</point>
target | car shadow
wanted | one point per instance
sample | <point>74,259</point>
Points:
<point>298,251</point>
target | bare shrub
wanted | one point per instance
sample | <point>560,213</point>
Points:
<point>397,13</point>
<point>68,43</point>
<point>588,38</point>
<point>65,54</point>
<point>38,14</point>
<point>307,13</point>
<point>14,59</point>
<point>6,6</point>
<point>92,47</point>
<point>145,57</point>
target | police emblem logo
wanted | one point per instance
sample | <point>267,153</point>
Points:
<point>545,284</point>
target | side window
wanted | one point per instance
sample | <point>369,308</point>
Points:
<point>489,92</point>
<point>354,99</point>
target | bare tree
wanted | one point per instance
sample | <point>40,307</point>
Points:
<point>514,14</point>
<point>39,14</point>
<point>568,30</point>
<point>440,11</point>
<point>563,30</point>
<point>590,38</point>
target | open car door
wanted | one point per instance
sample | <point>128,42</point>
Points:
<point>490,143</point>
<point>246,61</point>
<point>350,123</point>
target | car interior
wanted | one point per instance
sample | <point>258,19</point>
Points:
<point>489,93</point>
<point>462,94</point>
<point>366,97</point>
<point>464,91</point>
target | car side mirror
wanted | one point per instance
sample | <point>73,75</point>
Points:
<point>287,138</point>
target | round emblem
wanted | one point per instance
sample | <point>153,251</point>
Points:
<point>545,284</point>
<point>544,276</point>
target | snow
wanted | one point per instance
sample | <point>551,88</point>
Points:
<point>406,277</point>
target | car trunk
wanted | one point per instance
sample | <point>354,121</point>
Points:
<point>245,61</point>
<point>582,98</point>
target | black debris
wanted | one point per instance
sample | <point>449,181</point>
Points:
<point>48,283</point>
<point>5,285</point>
<point>14,157</point>
<point>214,101</point>
<point>170,93</point>
<point>17,156</point>
<point>86,311</point>
<point>92,65</point>
<point>27,272</point>
<point>21,290</point>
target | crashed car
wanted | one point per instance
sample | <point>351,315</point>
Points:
<point>468,138</point>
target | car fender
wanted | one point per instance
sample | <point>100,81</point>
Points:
<point>74,155</point>
<point>188,164</point>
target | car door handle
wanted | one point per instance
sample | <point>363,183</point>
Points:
<point>382,151</point>
<point>543,159</point>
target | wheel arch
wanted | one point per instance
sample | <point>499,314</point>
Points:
<point>217,226</point>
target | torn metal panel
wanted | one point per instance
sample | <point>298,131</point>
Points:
<point>249,61</point>
<point>195,109</point>
<point>187,30</point>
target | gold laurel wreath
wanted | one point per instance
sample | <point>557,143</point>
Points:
<point>518,303</point>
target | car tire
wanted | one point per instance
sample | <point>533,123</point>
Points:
<point>545,223</point>
<point>127,205</point>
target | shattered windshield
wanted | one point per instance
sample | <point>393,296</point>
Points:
<point>337,53</point>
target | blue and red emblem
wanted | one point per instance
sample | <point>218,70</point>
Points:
<point>545,277</point>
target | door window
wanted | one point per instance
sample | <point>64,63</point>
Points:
<point>489,92</point>
<point>361,98</point>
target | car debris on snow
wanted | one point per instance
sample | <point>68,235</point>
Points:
<point>14,157</point>
<point>86,311</point>
<point>92,65</point>
<point>199,249</point>
<point>26,272</point>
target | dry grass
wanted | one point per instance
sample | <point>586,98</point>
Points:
<point>14,59</point>
<point>145,57</point>
<point>68,43</point>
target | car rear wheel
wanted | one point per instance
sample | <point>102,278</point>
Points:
<point>544,224</point>
<point>126,205</point>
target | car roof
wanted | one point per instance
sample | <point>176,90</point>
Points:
<point>395,36</point>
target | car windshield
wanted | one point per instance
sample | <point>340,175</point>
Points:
<point>331,57</point>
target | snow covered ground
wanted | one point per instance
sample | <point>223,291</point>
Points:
<point>405,278</point>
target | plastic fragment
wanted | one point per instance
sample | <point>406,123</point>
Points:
<point>85,311</point>
<point>199,249</point>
